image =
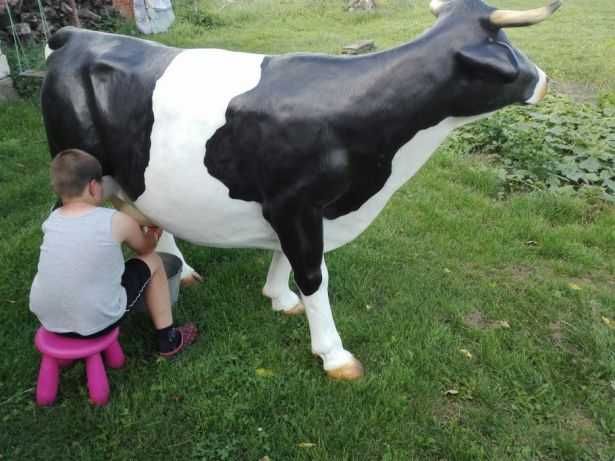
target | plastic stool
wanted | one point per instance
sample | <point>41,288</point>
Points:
<point>60,351</point>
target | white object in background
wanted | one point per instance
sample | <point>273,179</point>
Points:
<point>153,16</point>
<point>7,92</point>
<point>5,70</point>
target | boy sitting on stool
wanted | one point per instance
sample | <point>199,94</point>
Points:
<point>83,288</point>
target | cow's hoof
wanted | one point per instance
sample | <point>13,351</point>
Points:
<point>299,309</point>
<point>192,279</point>
<point>350,372</point>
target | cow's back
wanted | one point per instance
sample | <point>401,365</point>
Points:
<point>97,96</point>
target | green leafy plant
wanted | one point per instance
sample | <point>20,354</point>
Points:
<point>557,144</point>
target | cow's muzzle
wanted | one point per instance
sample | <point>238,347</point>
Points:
<point>540,90</point>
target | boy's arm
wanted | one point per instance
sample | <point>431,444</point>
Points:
<point>127,230</point>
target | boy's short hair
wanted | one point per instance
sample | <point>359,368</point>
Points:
<point>72,170</point>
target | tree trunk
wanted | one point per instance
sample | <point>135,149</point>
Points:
<point>73,6</point>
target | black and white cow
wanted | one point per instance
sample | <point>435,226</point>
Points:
<point>295,153</point>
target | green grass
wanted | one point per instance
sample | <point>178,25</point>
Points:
<point>449,245</point>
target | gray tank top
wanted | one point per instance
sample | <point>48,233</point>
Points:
<point>78,284</point>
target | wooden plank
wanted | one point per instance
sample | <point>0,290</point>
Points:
<point>360,47</point>
<point>34,74</point>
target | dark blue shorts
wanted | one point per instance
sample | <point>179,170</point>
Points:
<point>135,279</point>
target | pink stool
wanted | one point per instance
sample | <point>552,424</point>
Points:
<point>60,351</point>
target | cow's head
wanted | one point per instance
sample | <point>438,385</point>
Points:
<point>488,72</point>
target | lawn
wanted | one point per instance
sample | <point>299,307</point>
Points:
<point>485,317</point>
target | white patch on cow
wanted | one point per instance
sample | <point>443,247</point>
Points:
<point>408,160</point>
<point>541,88</point>
<point>189,105</point>
<point>48,52</point>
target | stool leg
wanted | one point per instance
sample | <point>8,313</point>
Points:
<point>98,385</point>
<point>48,381</point>
<point>114,356</point>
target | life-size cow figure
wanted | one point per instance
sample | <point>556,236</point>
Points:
<point>295,153</point>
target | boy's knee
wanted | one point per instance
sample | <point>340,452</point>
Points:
<point>152,260</point>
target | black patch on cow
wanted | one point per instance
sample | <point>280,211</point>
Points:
<point>97,96</point>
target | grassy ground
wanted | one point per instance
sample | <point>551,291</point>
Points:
<point>482,318</point>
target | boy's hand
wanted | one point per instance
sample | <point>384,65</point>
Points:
<point>126,230</point>
<point>151,235</point>
<point>153,232</point>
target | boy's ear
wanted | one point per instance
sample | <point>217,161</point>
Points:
<point>92,187</point>
<point>490,59</point>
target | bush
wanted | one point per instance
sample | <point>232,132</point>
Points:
<point>554,145</point>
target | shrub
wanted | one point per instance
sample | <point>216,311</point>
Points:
<point>558,144</point>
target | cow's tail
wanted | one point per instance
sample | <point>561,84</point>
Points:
<point>59,39</point>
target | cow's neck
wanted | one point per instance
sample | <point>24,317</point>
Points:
<point>403,116</point>
<point>410,90</point>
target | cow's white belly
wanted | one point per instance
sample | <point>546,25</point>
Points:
<point>189,105</point>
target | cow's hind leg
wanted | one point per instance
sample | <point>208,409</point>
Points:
<point>167,244</point>
<point>283,299</point>
<point>301,235</point>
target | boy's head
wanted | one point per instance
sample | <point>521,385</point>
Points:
<point>72,171</point>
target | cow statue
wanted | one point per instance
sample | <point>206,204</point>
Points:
<point>296,153</point>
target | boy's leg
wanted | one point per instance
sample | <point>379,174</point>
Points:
<point>157,296</point>
<point>171,340</point>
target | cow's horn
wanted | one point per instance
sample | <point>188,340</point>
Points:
<point>436,6</point>
<point>510,18</point>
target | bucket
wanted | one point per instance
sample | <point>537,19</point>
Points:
<point>173,267</point>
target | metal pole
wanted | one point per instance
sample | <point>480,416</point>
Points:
<point>15,38</point>
<point>44,20</point>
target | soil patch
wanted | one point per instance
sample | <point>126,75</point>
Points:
<point>476,321</point>
<point>556,332</point>
<point>578,92</point>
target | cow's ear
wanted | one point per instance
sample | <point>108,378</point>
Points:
<point>492,60</point>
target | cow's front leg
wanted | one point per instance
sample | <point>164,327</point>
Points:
<point>283,299</point>
<point>326,342</point>
<point>301,235</point>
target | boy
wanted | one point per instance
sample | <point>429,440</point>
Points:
<point>83,288</point>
